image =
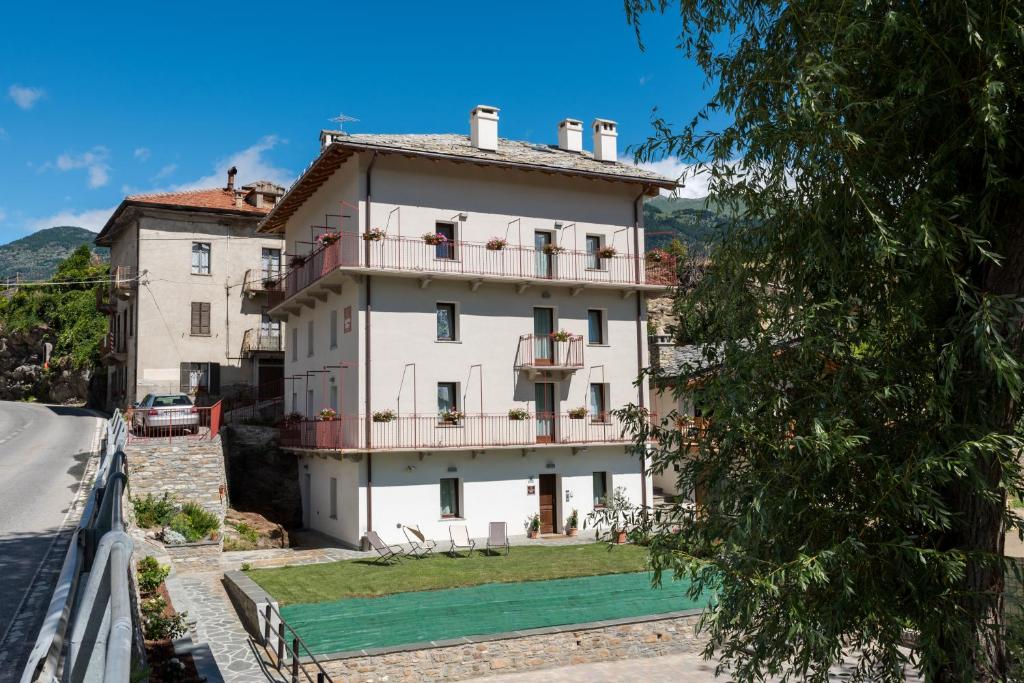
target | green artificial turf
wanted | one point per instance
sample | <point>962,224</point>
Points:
<point>314,583</point>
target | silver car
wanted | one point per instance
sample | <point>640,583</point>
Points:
<point>165,413</point>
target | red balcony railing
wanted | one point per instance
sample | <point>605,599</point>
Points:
<point>550,351</point>
<point>188,422</point>
<point>414,255</point>
<point>431,432</point>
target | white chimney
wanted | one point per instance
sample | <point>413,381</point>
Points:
<point>483,127</point>
<point>605,133</point>
<point>570,135</point>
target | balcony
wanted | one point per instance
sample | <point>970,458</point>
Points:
<point>112,353</point>
<point>556,352</point>
<point>123,281</point>
<point>259,341</point>
<point>420,433</point>
<point>103,302</point>
<point>261,280</point>
<point>476,262</point>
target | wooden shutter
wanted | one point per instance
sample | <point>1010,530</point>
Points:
<point>214,388</point>
<point>184,376</point>
<point>200,317</point>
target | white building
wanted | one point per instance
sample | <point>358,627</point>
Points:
<point>424,344</point>
<point>187,306</point>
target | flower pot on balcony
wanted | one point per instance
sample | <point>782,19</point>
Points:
<point>496,244</point>
<point>374,235</point>
<point>434,239</point>
<point>384,416</point>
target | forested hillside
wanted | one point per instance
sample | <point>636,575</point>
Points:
<point>36,256</point>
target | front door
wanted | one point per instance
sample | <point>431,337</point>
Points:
<point>547,503</point>
<point>544,409</point>
<point>543,344</point>
<point>271,381</point>
<point>542,259</point>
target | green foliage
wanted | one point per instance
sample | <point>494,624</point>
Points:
<point>69,310</point>
<point>194,523</point>
<point>690,223</point>
<point>157,624</point>
<point>248,538</point>
<point>151,511</point>
<point>246,532</point>
<point>863,314</point>
<point>151,574</point>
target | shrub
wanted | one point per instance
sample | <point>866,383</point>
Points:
<point>151,574</point>
<point>578,413</point>
<point>156,625</point>
<point>194,523</point>
<point>246,567</point>
<point>246,532</point>
<point>387,415</point>
<point>518,414</point>
<point>153,512</point>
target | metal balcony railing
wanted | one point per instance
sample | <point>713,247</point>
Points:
<point>433,432</point>
<point>123,278</point>
<point>459,258</point>
<point>550,351</point>
<point>255,341</point>
<point>261,280</point>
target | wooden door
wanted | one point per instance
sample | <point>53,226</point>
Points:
<point>547,503</point>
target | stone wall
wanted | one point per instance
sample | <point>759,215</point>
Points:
<point>187,469</point>
<point>660,315</point>
<point>526,651</point>
<point>261,477</point>
<point>203,556</point>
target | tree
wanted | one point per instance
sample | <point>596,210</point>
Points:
<point>864,318</point>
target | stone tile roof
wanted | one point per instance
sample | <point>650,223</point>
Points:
<point>509,151</point>
<point>213,198</point>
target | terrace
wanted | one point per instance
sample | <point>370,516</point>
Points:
<point>426,432</point>
<point>352,253</point>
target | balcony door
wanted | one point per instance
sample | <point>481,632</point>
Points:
<point>542,260</point>
<point>270,263</point>
<point>543,344</point>
<point>544,408</point>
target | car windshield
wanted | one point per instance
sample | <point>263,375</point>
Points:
<point>164,401</point>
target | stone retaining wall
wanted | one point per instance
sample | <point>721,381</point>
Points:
<point>523,651</point>
<point>187,469</point>
<point>203,556</point>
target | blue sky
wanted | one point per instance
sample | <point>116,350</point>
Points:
<point>98,100</point>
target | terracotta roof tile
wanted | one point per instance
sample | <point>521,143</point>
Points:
<point>213,198</point>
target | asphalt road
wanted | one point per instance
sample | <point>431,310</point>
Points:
<point>43,454</point>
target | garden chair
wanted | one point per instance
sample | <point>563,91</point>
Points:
<point>460,539</point>
<point>497,536</point>
<point>386,553</point>
<point>419,545</point>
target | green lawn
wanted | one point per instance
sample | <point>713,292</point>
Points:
<point>360,578</point>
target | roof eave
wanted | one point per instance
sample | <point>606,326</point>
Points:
<point>105,236</point>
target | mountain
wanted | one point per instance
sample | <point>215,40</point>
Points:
<point>695,222</point>
<point>36,257</point>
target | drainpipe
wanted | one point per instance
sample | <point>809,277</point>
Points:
<point>641,399</point>
<point>367,359</point>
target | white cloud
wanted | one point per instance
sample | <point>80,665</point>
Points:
<point>251,164</point>
<point>94,161</point>
<point>644,80</point>
<point>141,153</point>
<point>91,219</point>
<point>694,186</point>
<point>3,215</point>
<point>165,171</point>
<point>25,96</point>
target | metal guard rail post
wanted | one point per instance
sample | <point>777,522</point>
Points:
<point>274,644</point>
<point>100,624</point>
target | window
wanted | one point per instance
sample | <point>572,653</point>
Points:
<point>595,326</point>
<point>309,338</point>
<point>600,489</point>
<point>598,403</point>
<point>333,390</point>
<point>270,263</point>
<point>295,345</point>
<point>269,328</point>
<point>447,397</point>
<point>199,378</point>
<point>334,498</point>
<point>200,258</point>
<point>446,322</point>
<point>295,402</point>
<point>334,329</point>
<point>445,249</point>
<point>593,246</point>
<point>201,318</point>
<point>450,498</point>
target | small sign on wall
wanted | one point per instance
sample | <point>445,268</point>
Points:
<point>347,326</point>
<point>531,489</point>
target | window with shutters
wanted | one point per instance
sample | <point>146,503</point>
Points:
<point>200,319</point>
<point>199,379</point>
<point>200,258</point>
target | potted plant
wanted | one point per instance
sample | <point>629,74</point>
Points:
<point>577,413</point>
<point>327,238</point>
<point>533,526</point>
<point>296,261</point>
<point>292,419</point>
<point>518,414</point>
<point>496,244</point>
<point>434,238</point>
<point>607,252</point>
<point>269,283</point>
<point>656,256</point>
<point>373,235</point>
<point>551,249</point>
<point>572,524</point>
<point>616,515</point>
<point>452,416</point>
<point>384,416</point>
<point>561,336</point>
<point>328,414</point>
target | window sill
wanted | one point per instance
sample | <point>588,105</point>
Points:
<point>203,274</point>
<point>193,334</point>
<point>448,341</point>
<point>603,344</point>
<point>451,518</point>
